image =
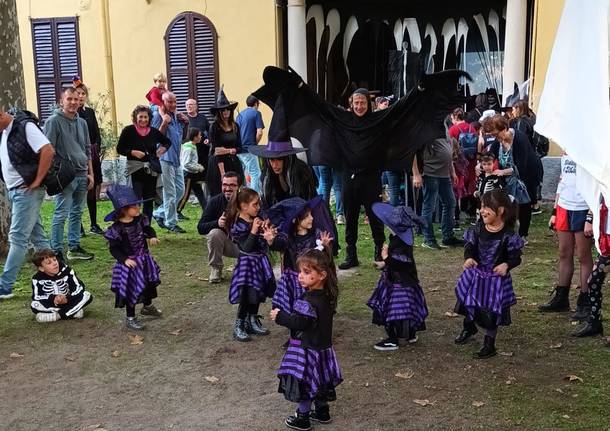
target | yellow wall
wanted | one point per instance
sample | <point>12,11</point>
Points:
<point>246,43</point>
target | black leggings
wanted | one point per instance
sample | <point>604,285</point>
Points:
<point>246,308</point>
<point>92,204</point>
<point>596,281</point>
<point>131,309</point>
<point>197,189</point>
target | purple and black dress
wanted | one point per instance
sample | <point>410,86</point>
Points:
<point>309,369</point>
<point>398,300</point>
<point>288,287</point>
<point>482,296</point>
<point>253,273</point>
<point>128,240</point>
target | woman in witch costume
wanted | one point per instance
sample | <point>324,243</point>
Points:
<point>135,275</point>
<point>225,144</point>
<point>283,174</point>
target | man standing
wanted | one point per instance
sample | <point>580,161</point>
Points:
<point>70,136</point>
<point>250,122</point>
<point>213,224</point>
<point>171,173</point>
<point>25,158</point>
<point>361,187</point>
<point>197,119</point>
<point>438,176</point>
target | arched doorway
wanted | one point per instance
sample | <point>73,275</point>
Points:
<point>191,52</point>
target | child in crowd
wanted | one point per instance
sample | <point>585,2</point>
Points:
<point>398,301</point>
<point>57,293</point>
<point>485,289</point>
<point>155,94</point>
<point>135,275</point>
<point>309,371</point>
<point>298,231</point>
<point>253,280</point>
<point>488,178</point>
<point>193,170</point>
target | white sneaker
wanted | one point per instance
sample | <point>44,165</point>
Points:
<point>215,275</point>
<point>7,295</point>
<point>47,317</point>
<point>340,219</point>
<point>79,314</point>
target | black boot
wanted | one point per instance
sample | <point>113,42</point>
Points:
<point>560,300</point>
<point>377,257</point>
<point>589,328</point>
<point>469,330</point>
<point>351,258</point>
<point>239,331</point>
<point>253,325</point>
<point>488,350</point>
<point>321,414</point>
<point>300,421</point>
<point>583,307</point>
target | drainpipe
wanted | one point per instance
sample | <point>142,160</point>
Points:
<point>108,61</point>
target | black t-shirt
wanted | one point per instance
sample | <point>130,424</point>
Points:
<point>200,122</point>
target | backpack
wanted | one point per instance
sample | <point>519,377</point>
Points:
<point>469,142</point>
<point>541,144</point>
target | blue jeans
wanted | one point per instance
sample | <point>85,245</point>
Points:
<point>394,180</point>
<point>330,178</point>
<point>252,168</point>
<point>173,189</point>
<point>435,188</point>
<point>69,204</point>
<point>25,227</point>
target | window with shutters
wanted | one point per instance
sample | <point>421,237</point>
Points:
<point>192,60</point>
<point>56,59</point>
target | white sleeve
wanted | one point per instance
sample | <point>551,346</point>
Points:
<point>36,139</point>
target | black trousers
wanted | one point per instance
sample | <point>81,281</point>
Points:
<point>363,188</point>
<point>145,187</point>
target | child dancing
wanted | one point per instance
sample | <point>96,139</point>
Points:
<point>309,372</point>
<point>485,289</point>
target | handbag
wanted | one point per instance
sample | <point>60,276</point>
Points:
<point>154,163</point>
<point>60,174</point>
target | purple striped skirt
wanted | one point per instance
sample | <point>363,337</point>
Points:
<point>479,291</point>
<point>255,272</point>
<point>288,290</point>
<point>307,374</point>
<point>129,283</point>
<point>395,301</point>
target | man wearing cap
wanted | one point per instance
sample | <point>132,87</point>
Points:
<point>361,187</point>
<point>25,157</point>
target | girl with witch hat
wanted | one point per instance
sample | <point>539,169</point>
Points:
<point>398,301</point>
<point>135,275</point>
<point>225,143</point>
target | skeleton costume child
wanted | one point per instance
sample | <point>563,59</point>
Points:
<point>46,287</point>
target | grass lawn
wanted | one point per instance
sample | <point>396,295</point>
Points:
<point>525,387</point>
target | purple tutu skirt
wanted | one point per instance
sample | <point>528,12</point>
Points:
<point>288,290</point>
<point>307,374</point>
<point>254,272</point>
<point>485,298</point>
<point>394,302</point>
<point>131,285</point>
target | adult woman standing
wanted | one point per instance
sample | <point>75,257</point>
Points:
<point>88,114</point>
<point>143,145</point>
<point>225,143</point>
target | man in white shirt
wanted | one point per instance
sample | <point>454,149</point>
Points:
<point>25,158</point>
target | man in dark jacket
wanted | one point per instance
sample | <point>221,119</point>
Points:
<point>25,158</point>
<point>213,224</point>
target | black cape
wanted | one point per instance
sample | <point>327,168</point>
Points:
<point>385,139</point>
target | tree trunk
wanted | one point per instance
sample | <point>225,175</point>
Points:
<point>12,92</point>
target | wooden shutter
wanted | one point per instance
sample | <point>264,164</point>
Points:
<point>56,59</point>
<point>192,60</point>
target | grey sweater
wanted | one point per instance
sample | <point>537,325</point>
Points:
<point>70,137</point>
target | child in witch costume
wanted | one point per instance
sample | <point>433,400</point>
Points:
<point>398,301</point>
<point>135,275</point>
<point>484,291</point>
<point>302,225</point>
<point>253,280</point>
<point>309,372</point>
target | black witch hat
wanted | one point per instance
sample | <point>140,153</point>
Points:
<point>279,144</point>
<point>222,102</point>
<point>512,99</point>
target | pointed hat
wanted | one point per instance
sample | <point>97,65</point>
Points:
<point>222,102</point>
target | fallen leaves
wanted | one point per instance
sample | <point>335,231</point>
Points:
<point>555,346</point>
<point>407,374</point>
<point>189,273</point>
<point>15,355</point>
<point>478,404</point>
<point>96,427</point>
<point>115,354</point>
<point>176,332</point>
<point>424,403</point>
<point>506,353</point>
<point>211,379</point>
<point>510,380</point>
<point>573,378</point>
<point>136,340</point>
<point>451,314</point>
<point>434,289</point>
<point>69,358</point>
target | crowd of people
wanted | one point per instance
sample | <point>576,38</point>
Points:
<point>484,175</point>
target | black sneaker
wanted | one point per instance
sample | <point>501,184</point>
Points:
<point>151,310</point>
<point>79,253</point>
<point>182,217</point>
<point>453,241</point>
<point>95,229</point>
<point>386,345</point>
<point>431,245</point>
<point>300,421</point>
<point>537,211</point>
<point>321,414</point>
<point>160,222</point>
<point>176,229</point>
<point>133,324</point>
